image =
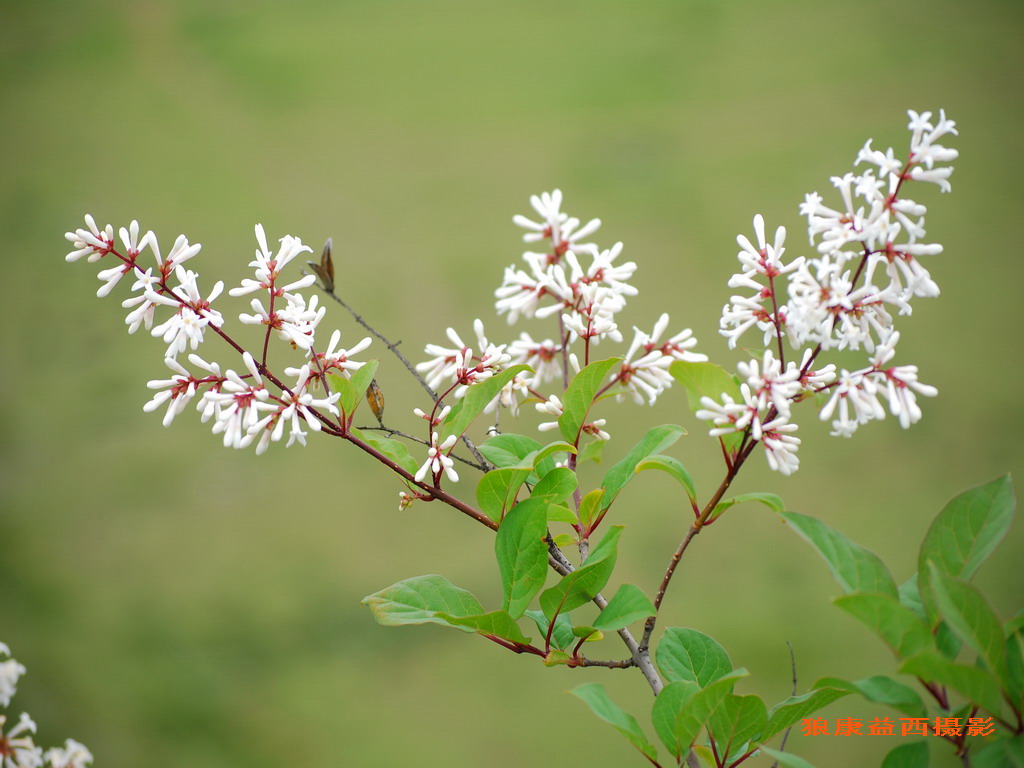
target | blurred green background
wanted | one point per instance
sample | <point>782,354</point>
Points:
<point>180,604</point>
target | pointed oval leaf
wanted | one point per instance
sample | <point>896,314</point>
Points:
<point>508,449</point>
<point>397,451</point>
<point>737,720</point>
<point>971,618</point>
<point>795,708</point>
<point>592,451</point>
<point>353,389</point>
<point>522,554</point>
<point>785,758</point>
<point>667,705</point>
<point>675,468</point>
<point>965,532</point>
<point>855,568</point>
<point>976,684</point>
<point>581,585</point>
<point>579,396</point>
<point>497,490</point>
<point>698,709</point>
<point>595,697</point>
<point>770,500</point>
<point>476,398</point>
<point>883,690</point>
<point>688,654</point>
<point>655,441</point>
<point>590,507</point>
<point>561,636</point>
<point>495,623</point>
<point>896,624</point>
<point>628,605</point>
<point>419,600</point>
<point>556,486</point>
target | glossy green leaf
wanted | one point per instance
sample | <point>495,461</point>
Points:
<point>912,755</point>
<point>472,404</point>
<point>770,500</point>
<point>628,605</point>
<point>395,450</point>
<point>707,380</point>
<point>556,486</point>
<point>795,708</point>
<point>580,395</point>
<point>882,690</point>
<point>667,705</point>
<point>581,585</point>
<point>561,636</point>
<point>497,490</point>
<point>595,697</point>
<point>688,654</point>
<point>497,623</point>
<point>786,759</point>
<point>855,568</point>
<point>590,507</point>
<point>559,514</point>
<point>522,554</point>
<point>656,440</point>
<point>974,683</point>
<point>421,600</point>
<point>353,390</point>
<point>965,532</point>
<point>1015,661</point>
<point>737,720</point>
<point>675,468</point>
<point>507,450</point>
<point>1004,753</point>
<point>698,709</point>
<point>896,624</point>
<point>910,597</point>
<point>971,618</point>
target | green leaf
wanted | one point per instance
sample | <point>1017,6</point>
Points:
<point>687,654</point>
<point>581,585</point>
<point>590,507</point>
<point>397,451</point>
<point>579,397</point>
<point>497,623</point>
<point>883,690</point>
<point>421,600</point>
<point>912,755</point>
<point>522,554</point>
<point>472,404</point>
<point>911,597</point>
<point>736,721</point>
<point>353,390</point>
<point>795,708</point>
<point>971,619</point>
<point>562,635</point>
<point>786,758</point>
<point>896,624</point>
<point>855,568</point>
<point>972,682</point>
<point>667,705</point>
<point>673,467</point>
<point>497,490</point>
<point>656,440</point>
<point>628,605</point>
<point>770,500</point>
<point>507,450</point>
<point>947,641</point>
<point>1004,753</point>
<point>559,514</point>
<point>965,532</point>
<point>708,380</point>
<point>592,451</point>
<point>1015,662</point>
<point>556,486</point>
<point>699,708</point>
<point>595,697</point>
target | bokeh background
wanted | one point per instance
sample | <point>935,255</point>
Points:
<point>180,604</point>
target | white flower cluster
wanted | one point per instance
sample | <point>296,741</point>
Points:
<point>867,269</point>
<point>17,745</point>
<point>584,289</point>
<point>240,405</point>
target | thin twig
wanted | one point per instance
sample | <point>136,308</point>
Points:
<point>792,666</point>
<point>393,348</point>
<point>390,432</point>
